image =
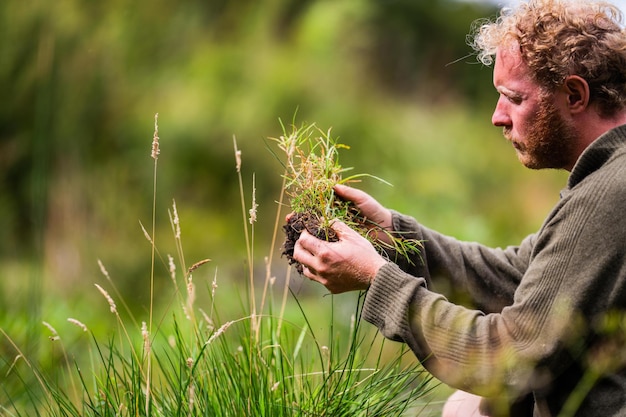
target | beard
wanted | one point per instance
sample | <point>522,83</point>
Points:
<point>550,140</point>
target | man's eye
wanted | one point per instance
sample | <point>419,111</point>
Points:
<point>514,99</point>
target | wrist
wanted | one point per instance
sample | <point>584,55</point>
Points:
<point>377,265</point>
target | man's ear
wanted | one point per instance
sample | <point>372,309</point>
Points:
<point>578,95</point>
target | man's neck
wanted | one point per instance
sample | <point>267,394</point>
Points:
<point>592,127</point>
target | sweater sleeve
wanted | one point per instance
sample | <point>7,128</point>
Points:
<point>489,276</point>
<point>460,346</point>
<point>531,340</point>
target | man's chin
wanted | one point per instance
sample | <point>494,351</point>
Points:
<point>527,161</point>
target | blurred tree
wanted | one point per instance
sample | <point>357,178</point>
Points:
<point>80,69</point>
<point>419,47</point>
<point>83,80</point>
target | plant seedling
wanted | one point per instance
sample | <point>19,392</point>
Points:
<point>312,169</point>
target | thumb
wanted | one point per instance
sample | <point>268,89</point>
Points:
<point>351,194</point>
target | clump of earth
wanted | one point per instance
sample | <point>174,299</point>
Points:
<point>295,225</point>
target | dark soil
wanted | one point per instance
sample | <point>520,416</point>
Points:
<point>294,227</point>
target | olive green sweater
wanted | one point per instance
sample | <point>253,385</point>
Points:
<point>536,322</point>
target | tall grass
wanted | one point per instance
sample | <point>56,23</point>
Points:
<point>187,361</point>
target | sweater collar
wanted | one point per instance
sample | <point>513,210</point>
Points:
<point>597,154</point>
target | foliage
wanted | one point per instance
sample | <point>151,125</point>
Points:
<point>82,76</point>
<point>275,369</point>
<point>312,170</point>
<point>193,363</point>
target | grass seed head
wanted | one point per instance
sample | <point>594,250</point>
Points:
<point>103,270</point>
<point>55,335</point>
<point>172,267</point>
<point>78,323</point>
<point>176,220</point>
<point>219,332</point>
<point>155,139</point>
<point>109,299</point>
<point>145,334</point>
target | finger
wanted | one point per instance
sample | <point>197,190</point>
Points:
<point>308,242</point>
<point>342,229</point>
<point>309,272</point>
<point>301,251</point>
<point>306,272</point>
<point>289,216</point>
<point>351,194</point>
<point>312,275</point>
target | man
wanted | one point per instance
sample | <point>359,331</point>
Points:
<point>544,336</point>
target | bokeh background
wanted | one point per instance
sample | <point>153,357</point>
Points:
<point>81,82</point>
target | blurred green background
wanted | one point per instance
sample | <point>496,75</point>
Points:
<point>82,80</point>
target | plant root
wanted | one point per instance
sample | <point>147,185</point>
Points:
<point>295,226</point>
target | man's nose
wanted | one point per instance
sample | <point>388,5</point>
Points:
<point>500,117</point>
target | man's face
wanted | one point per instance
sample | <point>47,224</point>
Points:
<point>531,121</point>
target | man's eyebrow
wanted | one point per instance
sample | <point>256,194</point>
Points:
<point>509,93</point>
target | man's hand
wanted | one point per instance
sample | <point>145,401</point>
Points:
<point>349,264</point>
<point>376,217</point>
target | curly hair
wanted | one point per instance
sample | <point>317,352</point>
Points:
<point>558,38</point>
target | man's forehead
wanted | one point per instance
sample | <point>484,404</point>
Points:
<point>511,74</point>
<point>510,52</point>
<point>509,60</point>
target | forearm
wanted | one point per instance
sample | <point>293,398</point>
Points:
<point>489,276</point>
<point>457,345</point>
<point>566,287</point>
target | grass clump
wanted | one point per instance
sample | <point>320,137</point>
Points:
<point>186,360</point>
<point>312,169</point>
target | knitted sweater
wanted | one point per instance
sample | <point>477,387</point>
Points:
<point>536,323</point>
